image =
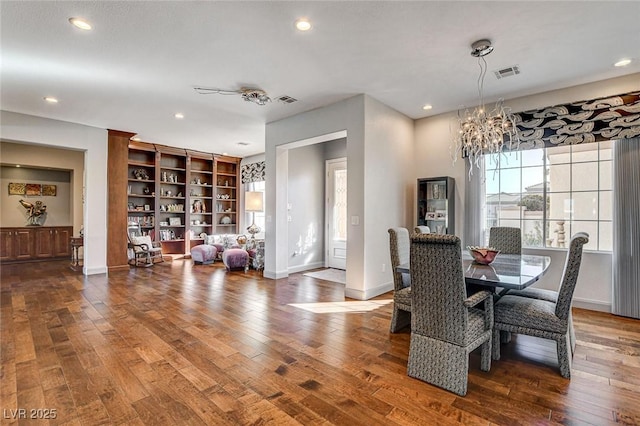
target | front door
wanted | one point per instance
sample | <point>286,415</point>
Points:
<point>336,213</point>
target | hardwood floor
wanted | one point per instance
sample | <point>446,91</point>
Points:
<point>183,344</point>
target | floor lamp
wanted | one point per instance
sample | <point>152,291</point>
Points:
<point>253,202</point>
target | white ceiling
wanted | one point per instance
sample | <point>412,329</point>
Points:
<point>139,64</point>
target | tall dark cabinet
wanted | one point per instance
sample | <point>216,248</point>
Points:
<point>436,204</point>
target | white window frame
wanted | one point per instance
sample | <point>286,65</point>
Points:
<point>572,225</point>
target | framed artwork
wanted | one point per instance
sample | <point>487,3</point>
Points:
<point>49,190</point>
<point>34,189</point>
<point>17,188</point>
<point>175,221</point>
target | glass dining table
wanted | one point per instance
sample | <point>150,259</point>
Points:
<point>507,271</point>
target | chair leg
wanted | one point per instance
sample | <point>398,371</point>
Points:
<point>399,319</point>
<point>572,334</point>
<point>496,345</point>
<point>505,336</point>
<point>564,355</point>
<point>486,353</point>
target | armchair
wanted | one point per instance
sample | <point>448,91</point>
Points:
<point>446,325</point>
<point>399,246</point>
<point>547,319</point>
<point>506,239</point>
<point>144,252</point>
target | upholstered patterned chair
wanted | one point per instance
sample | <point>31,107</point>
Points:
<point>446,325</point>
<point>544,318</point>
<point>399,246</point>
<point>143,251</point>
<point>507,240</point>
<point>422,229</point>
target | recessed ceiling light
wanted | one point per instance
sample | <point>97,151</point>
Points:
<point>51,99</point>
<point>80,23</point>
<point>224,153</point>
<point>303,24</point>
<point>135,138</point>
<point>18,165</point>
<point>622,63</point>
<point>179,115</point>
<point>427,107</point>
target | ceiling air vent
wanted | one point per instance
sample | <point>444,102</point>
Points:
<point>287,99</point>
<point>507,72</point>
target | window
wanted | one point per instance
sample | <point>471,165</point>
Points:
<point>259,216</point>
<point>552,193</point>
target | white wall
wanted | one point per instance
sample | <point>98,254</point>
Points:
<point>320,125</point>
<point>432,157</point>
<point>306,198</point>
<point>388,189</point>
<point>92,141</point>
<point>335,149</point>
<point>379,152</point>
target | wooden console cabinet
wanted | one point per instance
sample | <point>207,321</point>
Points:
<point>34,243</point>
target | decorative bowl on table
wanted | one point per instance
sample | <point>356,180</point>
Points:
<point>483,255</point>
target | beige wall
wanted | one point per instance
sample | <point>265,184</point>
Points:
<point>432,157</point>
<point>37,156</point>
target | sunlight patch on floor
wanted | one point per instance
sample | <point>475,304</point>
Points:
<point>351,307</point>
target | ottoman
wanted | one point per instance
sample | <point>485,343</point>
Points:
<point>203,254</point>
<point>235,258</point>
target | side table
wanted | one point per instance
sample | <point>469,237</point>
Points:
<point>76,243</point>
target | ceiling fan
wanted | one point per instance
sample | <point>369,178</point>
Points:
<point>257,96</point>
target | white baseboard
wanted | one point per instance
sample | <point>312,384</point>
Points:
<point>368,293</point>
<point>592,305</point>
<point>307,267</point>
<point>95,271</point>
<point>275,275</point>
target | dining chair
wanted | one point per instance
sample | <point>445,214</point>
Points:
<point>446,325</point>
<point>544,318</point>
<point>399,245</point>
<point>422,229</point>
<point>506,239</point>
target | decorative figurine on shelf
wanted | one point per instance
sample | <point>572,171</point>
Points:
<point>141,174</point>
<point>164,177</point>
<point>37,212</point>
<point>146,191</point>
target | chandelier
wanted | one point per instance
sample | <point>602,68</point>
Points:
<point>481,131</point>
<point>257,96</point>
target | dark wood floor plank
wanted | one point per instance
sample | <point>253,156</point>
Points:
<point>196,345</point>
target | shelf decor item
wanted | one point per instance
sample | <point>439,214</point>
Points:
<point>225,220</point>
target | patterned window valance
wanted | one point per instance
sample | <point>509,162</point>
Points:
<point>252,172</point>
<point>613,117</point>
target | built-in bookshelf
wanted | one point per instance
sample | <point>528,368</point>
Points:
<point>177,195</point>
<point>227,189</point>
